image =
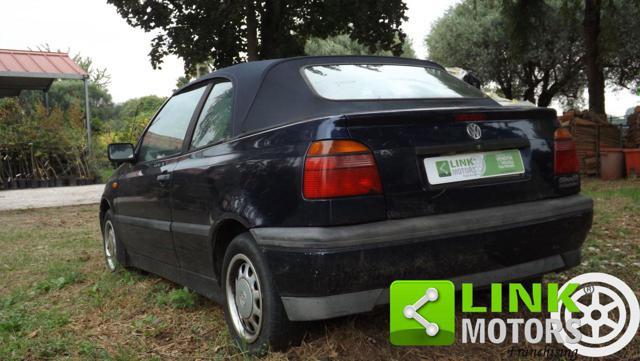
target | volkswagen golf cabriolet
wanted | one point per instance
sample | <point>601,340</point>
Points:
<point>299,189</point>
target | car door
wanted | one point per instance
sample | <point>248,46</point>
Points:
<point>199,179</point>
<point>144,202</point>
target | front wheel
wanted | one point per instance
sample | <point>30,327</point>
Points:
<point>111,246</point>
<point>253,309</point>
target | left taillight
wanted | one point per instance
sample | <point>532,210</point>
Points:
<point>565,156</point>
<point>339,168</point>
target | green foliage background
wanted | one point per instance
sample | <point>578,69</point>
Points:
<point>344,45</point>
<point>535,50</point>
<point>41,143</point>
<point>37,142</point>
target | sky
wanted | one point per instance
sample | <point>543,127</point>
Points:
<point>94,28</point>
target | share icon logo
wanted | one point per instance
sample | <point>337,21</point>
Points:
<point>411,311</point>
<point>422,313</point>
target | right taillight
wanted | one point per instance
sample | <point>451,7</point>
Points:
<point>565,157</point>
<point>339,168</point>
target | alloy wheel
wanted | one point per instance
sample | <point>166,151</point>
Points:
<point>110,246</point>
<point>244,297</point>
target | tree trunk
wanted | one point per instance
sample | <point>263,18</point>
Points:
<point>595,73</point>
<point>545,98</point>
<point>269,30</point>
<point>529,78</point>
<point>506,90</point>
<point>252,33</point>
<point>547,92</point>
<point>530,94</point>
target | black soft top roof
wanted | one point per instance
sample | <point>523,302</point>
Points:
<point>269,93</point>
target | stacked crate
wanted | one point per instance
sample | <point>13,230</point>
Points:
<point>591,132</point>
<point>633,135</point>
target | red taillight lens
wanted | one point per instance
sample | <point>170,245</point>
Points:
<point>339,168</point>
<point>565,157</point>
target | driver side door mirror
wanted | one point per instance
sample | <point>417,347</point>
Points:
<point>121,153</point>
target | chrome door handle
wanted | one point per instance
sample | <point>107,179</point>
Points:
<point>164,178</point>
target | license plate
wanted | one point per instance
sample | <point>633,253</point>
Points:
<point>470,166</point>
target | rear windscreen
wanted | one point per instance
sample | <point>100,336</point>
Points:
<point>380,81</point>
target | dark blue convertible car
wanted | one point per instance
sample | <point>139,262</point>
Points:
<point>298,189</point>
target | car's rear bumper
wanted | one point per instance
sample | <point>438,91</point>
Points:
<point>334,271</point>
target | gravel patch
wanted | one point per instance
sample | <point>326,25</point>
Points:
<point>50,197</point>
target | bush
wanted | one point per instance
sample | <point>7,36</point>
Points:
<point>36,143</point>
<point>42,144</point>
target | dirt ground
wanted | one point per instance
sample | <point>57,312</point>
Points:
<point>58,302</point>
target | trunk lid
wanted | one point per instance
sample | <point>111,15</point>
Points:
<point>402,140</point>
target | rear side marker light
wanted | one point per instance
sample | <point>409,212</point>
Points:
<point>339,168</point>
<point>565,157</point>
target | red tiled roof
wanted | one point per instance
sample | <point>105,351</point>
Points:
<point>34,70</point>
<point>38,64</point>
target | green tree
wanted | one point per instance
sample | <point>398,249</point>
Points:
<point>144,105</point>
<point>609,39</point>
<point>182,81</point>
<point>98,76</point>
<point>132,116</point>
<point>345,45</point>
<point>476,36</point>
<point>66,93</point>
<point>222,32</point>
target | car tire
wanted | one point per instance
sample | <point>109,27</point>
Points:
<point>262,324</point>
<point>114,253</point>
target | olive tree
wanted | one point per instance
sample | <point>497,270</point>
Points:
<point>227,32</point>
<point>475,36</point>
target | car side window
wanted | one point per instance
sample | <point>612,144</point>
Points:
<point>214,123</point>
<point>167,132</point>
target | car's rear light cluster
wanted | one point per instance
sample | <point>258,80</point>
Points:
<point>565,157</point>
<point>339,168</point>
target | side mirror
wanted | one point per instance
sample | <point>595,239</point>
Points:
<point>472,79</point>
<point>121,152</point>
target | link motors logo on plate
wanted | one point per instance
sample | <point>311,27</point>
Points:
<point>593,315</point>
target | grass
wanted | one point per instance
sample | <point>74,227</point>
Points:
<point>58,302</point>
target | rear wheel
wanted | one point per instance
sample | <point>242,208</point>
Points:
<point>253,310</point>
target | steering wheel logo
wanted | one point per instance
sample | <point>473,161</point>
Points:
<point>609,314</point>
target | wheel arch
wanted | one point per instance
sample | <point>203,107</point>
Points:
<point>223,233</point>
<point>105,205</point>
